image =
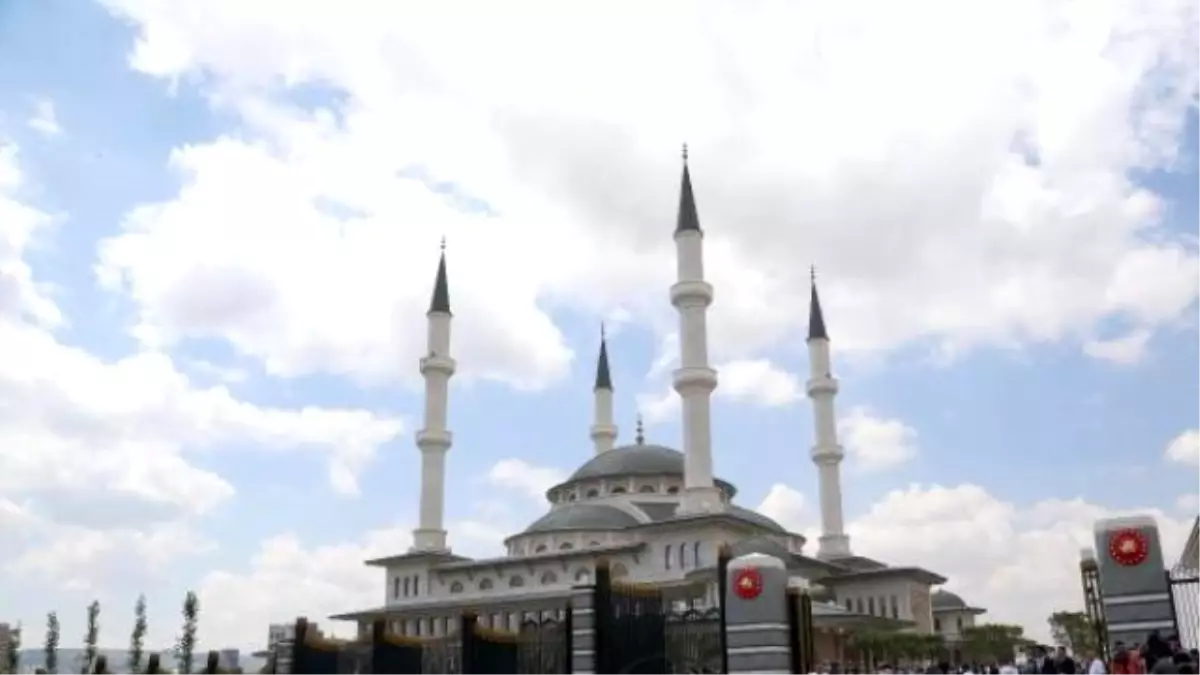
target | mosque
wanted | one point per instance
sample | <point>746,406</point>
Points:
<point>656,513</point>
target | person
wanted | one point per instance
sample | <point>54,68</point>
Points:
<point>1063,662</point>
<point>1049,667</point>
<point>1096,666</point>
<point>1008,668</point>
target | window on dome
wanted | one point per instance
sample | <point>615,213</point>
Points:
<point>958,623</point>
<point>571,497</point>
<point>485,585</point>
<point>593,493</point>
<point>407,586</point>
<point>566,546</point>
<point>618,490</point>
<point>540,549</point>
<point>696,554</point>
<point>683,556</point>
<point>516,582</point>
<point>646,488</point>
<point>593,544</point>
<point>456,587</point>
<point>673,490</point>
<point>549,578</point>
<point>667,557</point>
<point>937,625</point>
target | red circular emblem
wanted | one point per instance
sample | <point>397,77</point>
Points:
<point>1128,547</point>
<point>748,583</point>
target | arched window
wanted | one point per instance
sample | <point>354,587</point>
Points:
<point>871,606</point>
<point>593,493</point>
<point>673,490</point>
<point>540,549</point>
<point>407,586</point>
<point>416,585</point>
<point>485,585</point>
<point>646,488</point>
<point>667,557</point>
<point>566,546</point>
<point>696,554</point>
<point>683,556</point>
<point>858,606</point>
<point>571,497</point>
<point>456,587</point>
<point>396,587</point>
<point>582,576</point>
<point>618,490</point>
<point>549,578</point>
<point>618,571</point>
<point>516,582</point>
<point>593,544</point>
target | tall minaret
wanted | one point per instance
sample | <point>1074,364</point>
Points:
<point>604,431</point>
<point>434,440</point>
<point>826,454</point>
<point>694,380</point>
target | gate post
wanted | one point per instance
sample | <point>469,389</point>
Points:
<point>1134,592</point>
<point>581,622</point>
<point>756,630</point>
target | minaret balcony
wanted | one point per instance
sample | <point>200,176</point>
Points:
<point>822,385</point>
<point>436,363</point>
<point>696,379</point>
<point>827,454</point>
<point>434,439</point>
<point>691,294</point>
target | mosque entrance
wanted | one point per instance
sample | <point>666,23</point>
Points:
<point>638,630</point>
<point>1184,584</point>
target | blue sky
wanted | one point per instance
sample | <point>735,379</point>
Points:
<point>253,205</point>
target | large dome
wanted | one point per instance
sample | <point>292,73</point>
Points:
<point>637,460</point>
<point>583,517</point>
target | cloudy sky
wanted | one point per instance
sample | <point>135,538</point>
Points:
<point>219,224</point>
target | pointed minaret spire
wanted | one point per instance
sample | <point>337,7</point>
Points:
<point>694,380</point>
<point>816,319</point>
<point>687,219</point>
<point>433,441</point>
<point>603,431</point>
<point>826,453</point>
<point>640,438</point>
<point>440,301</point>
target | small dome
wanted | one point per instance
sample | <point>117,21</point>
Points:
<point>946,600</point>
<point>583,517</point>
<point>632,460</point>
<point>756,518</point>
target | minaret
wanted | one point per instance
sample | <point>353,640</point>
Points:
<point>827,454</point>
<point>604,432</point>
<point>694,380</point>
<point>434,440</point>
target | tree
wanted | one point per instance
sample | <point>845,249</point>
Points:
<point>992,641</point>
<point>138,636</point>
<point>1075,631</point>
<point>12,660</point>
<point>51,648</point>
<point>185,646</point>
<point>93,634</point>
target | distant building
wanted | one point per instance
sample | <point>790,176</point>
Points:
<point>6,632</point>
<point>229,659</point>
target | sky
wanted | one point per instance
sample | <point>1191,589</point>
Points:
<point>220,220</point>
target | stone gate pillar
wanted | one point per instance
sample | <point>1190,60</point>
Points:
<point>756,636</point>
<point>1134,591</point>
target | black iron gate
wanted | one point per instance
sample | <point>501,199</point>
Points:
<point>638,630</point>
<point>801,640</point>
<point>1184,583</point>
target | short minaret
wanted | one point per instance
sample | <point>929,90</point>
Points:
<point>604,431</point>
<point>434,440</point>
<point>694,380</point>
<point>827,454</point>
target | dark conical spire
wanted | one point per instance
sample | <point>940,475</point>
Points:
<point>440,302</point>
<point>816,319</point>
<point>603,376</point>
<point>687,219</point>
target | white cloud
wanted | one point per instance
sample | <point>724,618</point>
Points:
<point>1125,350</point>
<point>517,474</point>
<point>1185,448</point>
<point>660,406</point>
<point>1189,503</point>
<point>876,443</point>
<point>758,381</point>
<point>786,506</point>
<point>1019,562</point>
<point>44,120</point>
<point>1016,208</point>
